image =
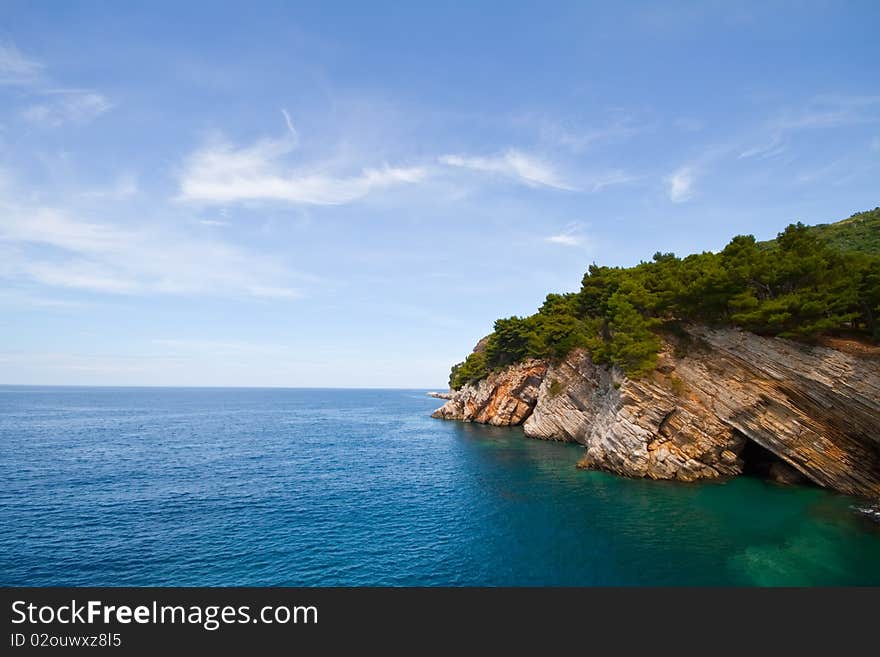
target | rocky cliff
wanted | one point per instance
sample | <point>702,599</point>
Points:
<point>720,402</point>
<point>502,399</point>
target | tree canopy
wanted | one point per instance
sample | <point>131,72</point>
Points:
<point>807,282</point>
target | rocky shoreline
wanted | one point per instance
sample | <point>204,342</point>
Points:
<point>720,403</point>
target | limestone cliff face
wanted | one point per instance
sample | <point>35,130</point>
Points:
<point>638,428</point>
<point>703,411</point>
<point>501,399</point>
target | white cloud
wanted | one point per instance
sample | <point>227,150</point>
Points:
<point>571,235</point>
<point>289,123</point>
<point>67,107</point>
<point>772,147</point>
<point>222,173</point>
<point>577,138</point>
<point>15,68</point>
<point>830,111</point>
<point>814,119</point>
<point>826,112</point>
<point>681,184</point>
<point>512,164</point>
<point>50,107</point>
<point>109,258</point>
<point>599,181</point>
<point>565,239</point>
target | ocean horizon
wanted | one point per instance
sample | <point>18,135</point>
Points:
<point>150,486</point>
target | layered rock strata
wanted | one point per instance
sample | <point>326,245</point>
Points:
<point>716,399</point>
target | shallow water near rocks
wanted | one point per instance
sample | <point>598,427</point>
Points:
<point>140,486</point>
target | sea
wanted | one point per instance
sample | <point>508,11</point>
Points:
<point>308,487</point>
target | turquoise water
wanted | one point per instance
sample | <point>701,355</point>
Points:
<point>133,486</point>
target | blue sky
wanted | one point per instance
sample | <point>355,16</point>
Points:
<point>307,194</point>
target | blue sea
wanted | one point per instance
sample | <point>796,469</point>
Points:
<point>203,487</point>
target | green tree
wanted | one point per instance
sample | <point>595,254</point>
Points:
<point>470,371</point>
<point>633,345</point>
<point>510,342</point>
<point>557,330</point>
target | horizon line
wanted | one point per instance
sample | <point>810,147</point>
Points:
<point>215,387</point>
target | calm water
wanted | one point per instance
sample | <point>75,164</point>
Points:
<point>359,487</point>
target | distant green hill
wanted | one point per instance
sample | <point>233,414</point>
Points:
<point>860,233</point>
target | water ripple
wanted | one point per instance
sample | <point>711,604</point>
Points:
<point>360,487</point>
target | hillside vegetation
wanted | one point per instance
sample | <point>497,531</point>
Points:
<point>809,281</point>
<point>860,233</point>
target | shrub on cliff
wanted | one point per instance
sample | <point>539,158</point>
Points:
<point>470,371</point>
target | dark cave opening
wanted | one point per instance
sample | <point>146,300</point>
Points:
<point>758,461</point>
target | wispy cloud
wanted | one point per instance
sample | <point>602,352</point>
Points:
<point>823,112</point>
<point>778,135</point>
<point>289,122</point>
<point>565,239</point>
<point>829,111</point>
<point>578,137</point>
<point>814,119</point>
<point>16,68</point>
<point>773,146</point>
<point>835,173</point>
<point>62,107</point>
<point>46,105</point>
<point>223,173</point>
<point>681,184</point>
<point>598,181</point>
<point>109,258</point>
<point>513,164</point>
<point>571,235</point>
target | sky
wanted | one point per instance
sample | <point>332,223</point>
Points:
<point>349,194</point>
